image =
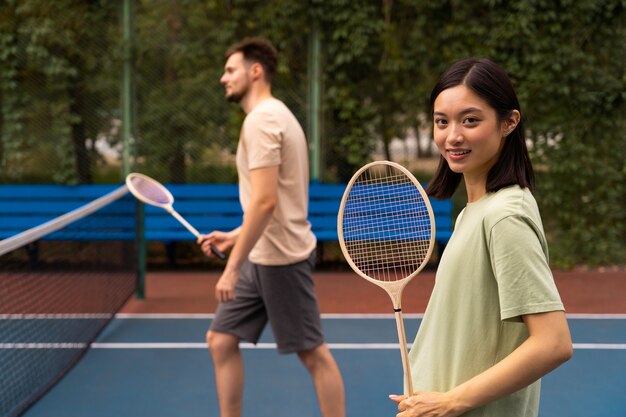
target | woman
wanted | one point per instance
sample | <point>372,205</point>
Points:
<point>495,323</point>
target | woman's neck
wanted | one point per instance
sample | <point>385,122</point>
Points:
<point>476,188</point>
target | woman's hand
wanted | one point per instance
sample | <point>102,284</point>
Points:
<point>425,404</point>
<point>549,344</point>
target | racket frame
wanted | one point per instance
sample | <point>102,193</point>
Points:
<point>169,207</point>
<point>393,288</point>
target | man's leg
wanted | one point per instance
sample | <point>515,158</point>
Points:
<point>326,380</point>
<point>228,366</point>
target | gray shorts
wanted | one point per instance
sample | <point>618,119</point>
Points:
<point>284,295</point>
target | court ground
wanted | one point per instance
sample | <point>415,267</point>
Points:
<point>582,291</point>
<point>152,360</point>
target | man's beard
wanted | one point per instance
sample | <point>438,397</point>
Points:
<point>235,97</point>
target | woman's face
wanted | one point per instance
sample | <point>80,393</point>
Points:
<point>467,132</point>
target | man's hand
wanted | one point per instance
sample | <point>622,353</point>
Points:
<point>225,287</point>
<point>222,241</point>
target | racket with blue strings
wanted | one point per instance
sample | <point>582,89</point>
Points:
<point>150,191</point>
<point>386,231</point>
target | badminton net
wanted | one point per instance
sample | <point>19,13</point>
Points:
<point>60,285</point>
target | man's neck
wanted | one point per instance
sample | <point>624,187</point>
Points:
<point>254,97</point>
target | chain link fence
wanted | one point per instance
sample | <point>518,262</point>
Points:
<point>63,101</point>
<point>61,89</point>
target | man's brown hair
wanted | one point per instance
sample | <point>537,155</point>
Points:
<point>257,50</point>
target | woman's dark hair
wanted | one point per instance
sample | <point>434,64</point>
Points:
<point>257,50</point>
<point>492,84</point>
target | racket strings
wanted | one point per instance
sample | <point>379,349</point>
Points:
<point>151,191</point>
<point>386,225</point>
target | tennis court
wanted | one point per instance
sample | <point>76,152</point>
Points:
<point>151,359</point>
<point>91,91</point>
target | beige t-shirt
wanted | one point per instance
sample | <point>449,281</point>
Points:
<point>270,136</point>
<point>493,270</point>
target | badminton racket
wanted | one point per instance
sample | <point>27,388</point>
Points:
<point>150,191</point>
<point>386,232</point>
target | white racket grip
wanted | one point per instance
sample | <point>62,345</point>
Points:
<point>408,381</point>
<point>185,223</point>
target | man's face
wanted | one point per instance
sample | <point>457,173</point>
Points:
<point>236,79</point>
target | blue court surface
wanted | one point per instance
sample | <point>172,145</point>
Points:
<point>158,366</point>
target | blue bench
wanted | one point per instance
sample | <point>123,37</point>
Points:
<point>217,207</point>
<point>206,206</point>
<point>23,207</point>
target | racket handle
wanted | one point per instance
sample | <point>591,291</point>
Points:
<point>193,230</point>
<point>408,380</point>
<point>217,252</point>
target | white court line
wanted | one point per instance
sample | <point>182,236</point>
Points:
<point>336,346</point>
<point>600,346</point>
<point>596,316</point>
<point>329,316</point>
<point>43,345</point>
<point>326,316</point>
<point>342,316</point>
<point>164,316</point>
<point>151,346</point>
<point>260,346</point>
<point>355,346</point>
<point>211,316</point>
<point>63,316</point>
<point>332,346</point>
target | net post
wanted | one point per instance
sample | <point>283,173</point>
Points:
<point>140,241</point>
<point>127,83</point>
<point>314,113</point>
<point>127,100</point>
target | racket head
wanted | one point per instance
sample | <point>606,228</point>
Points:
<point>149,190</point>
<point>386,224</point>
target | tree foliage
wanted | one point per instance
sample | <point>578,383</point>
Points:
<point>60,69</point>
<point>54,75</point>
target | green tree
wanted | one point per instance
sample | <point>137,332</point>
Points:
<point>60,73</point>
<point>54,81</point>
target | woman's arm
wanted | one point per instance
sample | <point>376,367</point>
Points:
<point>549,345</point>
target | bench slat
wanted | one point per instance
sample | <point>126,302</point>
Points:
<point>199,191</point>
<point>37,192</point>
<point>57,208</point>
<point>207,207</point>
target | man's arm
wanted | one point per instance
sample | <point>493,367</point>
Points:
<point>264,186</point>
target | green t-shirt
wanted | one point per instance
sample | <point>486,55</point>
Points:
<point>493,270</point>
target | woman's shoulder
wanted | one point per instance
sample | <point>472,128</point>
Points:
<point>511,201</point>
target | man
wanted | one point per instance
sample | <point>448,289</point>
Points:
<point>268,274</point>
